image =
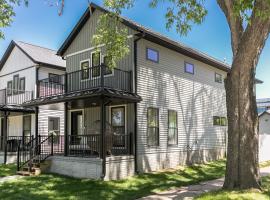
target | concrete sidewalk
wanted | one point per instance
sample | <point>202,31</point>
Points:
<point>9,178</point>
<point>187,193</point>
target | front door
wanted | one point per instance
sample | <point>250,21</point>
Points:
<point>76,126</point>
<point>26,128</point>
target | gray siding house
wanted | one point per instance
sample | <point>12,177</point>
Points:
<point>162,106</point>
<point>21,67</point>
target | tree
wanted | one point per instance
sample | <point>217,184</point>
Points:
<point>249,22</point>
<point>7,13</point>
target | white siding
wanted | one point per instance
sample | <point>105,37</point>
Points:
<point>44,72</point>
<point>196,98</point>
<point>15,125</point>
<point>264,130</point>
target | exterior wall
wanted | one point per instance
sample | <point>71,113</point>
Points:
<point>81,48</point>
<point>264,137</point>
<point>76,167</point>
<point>44,72</point>
<point>196,98</point>
<point>43,120</point>
<point>119,167</point>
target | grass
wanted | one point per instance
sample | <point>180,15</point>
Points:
<point>7,170</point>
<point>50,186</point>
<point>265,164</point>
<point>240,195</point>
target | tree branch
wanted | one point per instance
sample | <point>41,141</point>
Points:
<point>235,23</point>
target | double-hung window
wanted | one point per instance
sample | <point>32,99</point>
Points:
<point>84,70</point>
<point>9,88</point>
<point>172,127</point>
<point>54,129</point>
<point>22,85</point>
<point>218,78</point>
<point>95,61</point>
<point>153,126</point>
<point>108,70</point>
<point>15,84</point>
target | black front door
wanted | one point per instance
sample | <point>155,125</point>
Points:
<point>76,126</point>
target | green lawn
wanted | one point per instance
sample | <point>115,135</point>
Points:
<point>7,170</point>
<point>240,195</point>
<point>57,187</point>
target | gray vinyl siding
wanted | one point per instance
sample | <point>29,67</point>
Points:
<point>196,98</point>
<point>83,42</point>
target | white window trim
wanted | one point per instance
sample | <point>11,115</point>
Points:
<point>69,120</point>
<point>112,74</point>
<point>110,114</point>
<point>82,61</point>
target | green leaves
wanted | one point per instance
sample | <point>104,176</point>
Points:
<point>7,13</point>
<point>182,14</point>
<point>113,36</point>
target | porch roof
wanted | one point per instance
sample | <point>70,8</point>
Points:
<point>86,94</point>
<point>16,108</point>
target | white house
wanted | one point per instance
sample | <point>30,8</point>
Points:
<point>264,131</point>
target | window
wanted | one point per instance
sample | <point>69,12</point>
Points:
<point>219,121</point>
<point>27,125</point>
<point>95,64</point>
<point>54,129</point>
<point>85,70</point>
<point>153,126</point>
<point>108,70</point>
<point>189,68</point>
<point>15,84</point>
<point>152,55</point>
<point>9,88</point>
<point>172,127</point>
<point>118,119</point>
<point>22,85</point>
<point>218,78</point>
<point>54,78</point>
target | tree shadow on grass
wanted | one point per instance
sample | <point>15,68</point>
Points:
<point>57,187</point>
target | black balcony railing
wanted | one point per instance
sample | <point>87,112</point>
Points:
<point>15,97</point>
<point>86,79</point>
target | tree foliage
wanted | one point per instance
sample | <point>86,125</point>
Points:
<point>7,12</point>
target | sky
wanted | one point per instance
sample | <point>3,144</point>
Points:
<point>40,24</point>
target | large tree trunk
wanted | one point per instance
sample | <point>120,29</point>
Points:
<point>242,160</point>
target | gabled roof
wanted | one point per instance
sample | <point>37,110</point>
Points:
<point>37,54</point>
<point>149,35</point>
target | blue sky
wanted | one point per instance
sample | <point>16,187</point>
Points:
<point>40,24</point>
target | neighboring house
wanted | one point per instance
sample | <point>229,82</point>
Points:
<point>264,135</point>
<point>21,67</point>
<point>263,105</point>
<point>164,105</point>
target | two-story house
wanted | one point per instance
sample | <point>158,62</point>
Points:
<point>162,106</point>
<point>21,67</point>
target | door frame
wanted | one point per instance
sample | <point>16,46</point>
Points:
<point>69,120</point>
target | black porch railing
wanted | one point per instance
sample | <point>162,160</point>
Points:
<point>14,97</point>
<point>12,142</point>
<point>86,79</point>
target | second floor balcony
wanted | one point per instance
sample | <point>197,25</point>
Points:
<point>14,97</point>
<point>94,78</point>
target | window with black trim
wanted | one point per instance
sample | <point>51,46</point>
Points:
<point>22,85</point>
<point>108,70</point>
<point>54,78</point>
<point>54,129</point>
<point>152,55</point>
<point>172,127</point>
<point>95,60</point>
<point>85,70</point>
<point>15,84</point>
<point>189,68</point>
<point>218,78</point>
<point>9,88</point>
<point>153,126</point>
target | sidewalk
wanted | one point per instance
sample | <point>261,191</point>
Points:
<point>187,193</point>
<point>9,178</point>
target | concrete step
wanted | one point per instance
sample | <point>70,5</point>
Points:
<point>25,173</point>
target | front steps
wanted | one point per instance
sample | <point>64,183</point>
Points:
<point>34,170</point>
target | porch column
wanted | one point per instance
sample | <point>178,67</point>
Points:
<point>103,145</point>
<point>66,129</point>
<point>36,125</point>
<point>5,127</point>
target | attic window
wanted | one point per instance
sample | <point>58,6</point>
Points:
<point>189,68</point>
<point>152,55</point>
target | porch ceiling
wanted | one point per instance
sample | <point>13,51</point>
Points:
<point>87,97</point>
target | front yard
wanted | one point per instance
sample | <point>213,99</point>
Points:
<point>7,170</point>
<point>49,186</point>
<point>240,195</point>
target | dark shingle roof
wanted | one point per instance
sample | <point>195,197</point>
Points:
<point>37,54</point>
